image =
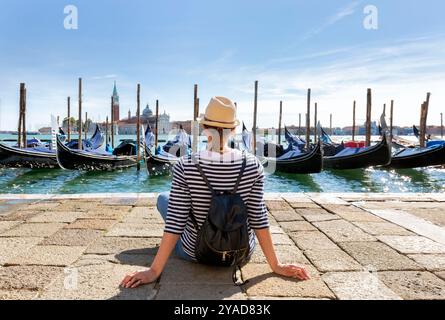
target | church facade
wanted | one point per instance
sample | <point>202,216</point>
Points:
<point>128,126</point>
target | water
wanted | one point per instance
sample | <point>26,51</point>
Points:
<point>59,181</point>
<point>18,181</point>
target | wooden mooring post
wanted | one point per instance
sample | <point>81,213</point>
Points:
<point>353,121</point>
<point>299,124</point>
<point>279,122</point>
<point>69,119</point>
<point>423,120</point>
<point>441,125</point>
<point>112,122</point>
<point>308,119</point>
<point>106,131</point>
<point>330,125</point>
<point>138,128</point>
<point>368,117</point>
<point>86,126</point>
<point>79,128</point>
<point>255,110</point>
<point>391,122</point>
<point>21,134</point>
<point>315,122</point>
<point>195,127</point>
<point>157,124</point>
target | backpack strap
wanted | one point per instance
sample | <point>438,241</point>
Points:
<point>201,172</point>
<point>243,167</point>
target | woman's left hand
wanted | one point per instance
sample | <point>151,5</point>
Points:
<point>291,271</point>
<point>136,279</point>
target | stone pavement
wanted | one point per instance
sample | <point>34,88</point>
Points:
<point>355,246</point>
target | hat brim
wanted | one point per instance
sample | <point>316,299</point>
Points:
<point>231,125</point>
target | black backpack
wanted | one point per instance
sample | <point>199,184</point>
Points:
<point>223,239</point>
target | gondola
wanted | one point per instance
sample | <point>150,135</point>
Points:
<point>419,157</point>
<point>36,157</point>
<point>298,162</point>
<point>293,159</point>
<point>124,156</point>
<point>163,159</point>
<point>356,158</point>
<point>39,155</point>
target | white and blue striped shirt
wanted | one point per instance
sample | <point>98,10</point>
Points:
<point>190,192</point>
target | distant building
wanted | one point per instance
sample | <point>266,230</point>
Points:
<point>128,126</point>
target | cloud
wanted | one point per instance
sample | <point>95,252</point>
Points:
<point>108,76</point>
<point>342,13</point>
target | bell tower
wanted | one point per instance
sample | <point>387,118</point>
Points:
<point>115,103</point>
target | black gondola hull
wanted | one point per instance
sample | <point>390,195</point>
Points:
<point>378,155</point>
<point>311,162</point>
<point>13,157</point>
<point>427,158</point>
<point>156,165</point>
<point>73,160</point>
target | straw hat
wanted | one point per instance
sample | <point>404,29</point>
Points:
<point>220,113</point>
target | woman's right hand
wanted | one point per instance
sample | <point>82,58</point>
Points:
<point>291,271</point>
<point>136,279</point>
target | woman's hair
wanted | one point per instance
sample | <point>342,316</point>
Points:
<point>219,134</point>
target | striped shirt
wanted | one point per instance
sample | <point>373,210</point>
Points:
<point>189,192</point>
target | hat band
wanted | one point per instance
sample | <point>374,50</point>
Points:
<point>231,122</point>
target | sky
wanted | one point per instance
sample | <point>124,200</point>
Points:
<point>223,46</point>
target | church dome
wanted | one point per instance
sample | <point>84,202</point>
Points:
<point>147,112</point>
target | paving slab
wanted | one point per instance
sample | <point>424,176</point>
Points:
<point>432,262</point>
<point>42,206</point>
<point>19,215</point>
<point>111,245</point>
<point>281,239</point>
<point>289,215</point>
<point>76,205</point>
<point>94,224</point>
<point>51,216</point>
<point>277,205</point>
<point>413,223</point>
<point>181,292</point>
<point>341,230</point>
<point>263,282</point>
<point>97,282</point>
<point>143,260</point>
<point>312,240</point>
<point>433,215</point>
<point>352,213</point>
<point>440,274</point>
<point>378,256</point>
<point>104,214</point>
<point>383,229</point>
<point>72,237</point>
<point>291,226</point>
<point>27,277</point>
<point>48,255</point>
<point>358,286</point>
<point>184,272</point>
<point>414,285</point>
<point>33,230</point>
<point>12,247</point>
<point>143,215</point>
<point>136,230</point>
<point>17,294</point>
<point>309,211</point>
<point>332,260</point>
<point>285,254</point>
<point>413,244</point>
<point>119,201</point>
<point>6,225</point>
<point>320,217</point>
